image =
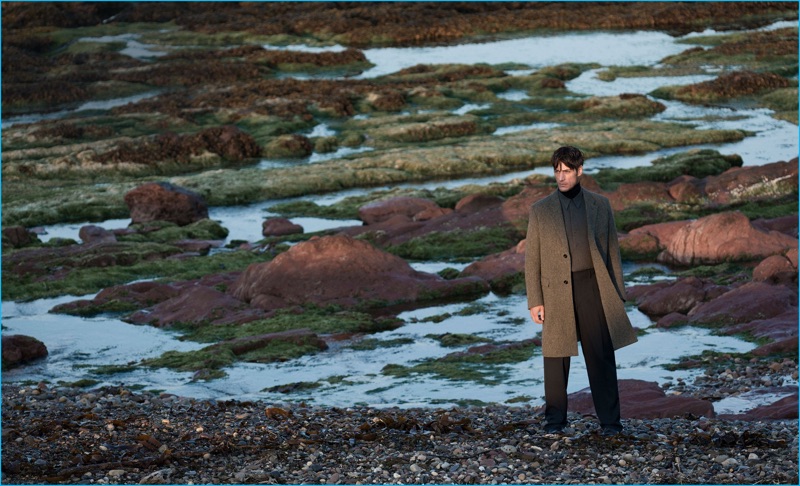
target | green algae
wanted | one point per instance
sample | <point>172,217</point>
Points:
<point>166,232</point>
<point>456,340</point>
<point>210,361</point>
<point>722,274</point>
<point>458,245</point>
<point>372,344</point>
<point>487,369</point>
<point>317,320</point>
<point>695,163</point>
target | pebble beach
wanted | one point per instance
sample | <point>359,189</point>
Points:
<point>114,435</point>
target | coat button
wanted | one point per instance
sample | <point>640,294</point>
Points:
<point>565,255</point>
<point>565,282</point>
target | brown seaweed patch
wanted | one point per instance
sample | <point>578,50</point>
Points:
<point>435,130</point>
<point>72,131</point>
<point>289,146</point>
<point>228,142</point>
<point>733,85</point>
<point>622,106</point>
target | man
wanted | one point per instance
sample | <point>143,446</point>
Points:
<point>573,275</point>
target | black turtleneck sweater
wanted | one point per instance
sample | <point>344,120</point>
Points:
<point>573,210</point>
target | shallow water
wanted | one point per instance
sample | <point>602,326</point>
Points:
<point>77,345</point>
<point>618,49</point>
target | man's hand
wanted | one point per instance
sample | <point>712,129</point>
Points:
<point>537,314</point>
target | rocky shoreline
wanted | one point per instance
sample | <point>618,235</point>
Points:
<point>215,96</point>
<point>116,436</point>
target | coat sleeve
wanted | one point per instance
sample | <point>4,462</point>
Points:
<point>614,256</point>
<point>533,262</point>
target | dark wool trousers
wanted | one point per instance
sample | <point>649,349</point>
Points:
<point>598,352</point>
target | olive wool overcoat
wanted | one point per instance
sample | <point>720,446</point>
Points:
<point>548,276</point>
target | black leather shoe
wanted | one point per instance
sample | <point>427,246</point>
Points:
<point>554,429</point>
<point>610,432</point>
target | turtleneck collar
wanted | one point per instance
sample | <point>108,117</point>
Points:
<point>576,189</point>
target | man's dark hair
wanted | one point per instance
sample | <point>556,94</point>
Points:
<point>570,156</point>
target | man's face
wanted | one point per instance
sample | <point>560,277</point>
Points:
<point>567,178</point>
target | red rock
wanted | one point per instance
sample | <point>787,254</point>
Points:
<point>19,349</point>
<point>378,211</point>
<point>17,237</point>
<point>785,224</point>
<point>477,202</point>
<point>201,247</point>
<point>750,302</point>
<point>723,237</point>
<point>776,328</point>
<point>783,409</point>
<point>644,400</point>
<point>775,269</point>
<point>747,183</point>
<point>431,213</point>
<point>681,296</point>
<point>662,232</point>
<point>791,255</point>
<point>637,192</point>
<point>518,207</point>
<point>198,304</point>
<point>162,201</point>
<point>499,266</point>
<point>343,271</point>
<point>279,227</point>
<point>139,294</point>
<point>92,233</point>
<point>686,189</point>
<point>784,346</point>
<point>672,319</point>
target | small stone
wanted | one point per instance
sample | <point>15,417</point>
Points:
<point>116,473</point>
<point>730,462</point>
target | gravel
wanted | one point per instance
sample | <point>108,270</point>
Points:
<point>117,436</point>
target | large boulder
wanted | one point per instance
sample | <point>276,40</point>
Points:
<point>17,237</point>
<point>681,296</point>
<point>777,328</point>
<point>92,233</point>
<point>19,349</point>
<point>785,224</point>
<point>198,305</point>
<point>279,227</point>
<point>638,192</point>
<point>752,182</point>
<point>775,269</point>
<point>650,239</point>
<point>162,201</point>
<point>752,301</point>
<point>644,400</point>
<point>344,271</point>
<point>723,237</point>
<point>517,208</point>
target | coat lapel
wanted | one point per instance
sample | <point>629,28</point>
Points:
<point>591,215</point>
<point>555,221</point>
